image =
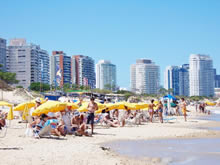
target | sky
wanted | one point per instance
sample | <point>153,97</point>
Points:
<point>165,31</point>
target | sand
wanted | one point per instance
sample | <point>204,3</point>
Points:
<point>87,150</point>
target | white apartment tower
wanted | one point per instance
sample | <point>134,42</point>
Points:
<point>145,77</point>
<point>29,62</point>
<point>201,75</point>
<point>105,75</point>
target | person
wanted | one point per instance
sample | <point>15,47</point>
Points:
<point>151,110</point>
<point>110,121</point>
<point>160,111</point>
<point>177,109</point>
<point>66,119</point>
<point>3,117</point>
<point>78,125</point>
<point>80,102</point>
<point>183,107</point>
<point>92,107</point>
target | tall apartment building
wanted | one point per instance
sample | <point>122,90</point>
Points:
<point>145,77</point>
<point>84,71</point>
<point>171,78</point>
<point>60,68</point>
<point>177,79</point>
<point>184,80</point>
<point>29,62</point>
<point>3,54</point>
<point>217,79</point>
<point>105,75</point>
<point>201,75</point>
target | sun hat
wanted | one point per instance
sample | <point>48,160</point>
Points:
<point>76,113</point>
<point>38,100</point>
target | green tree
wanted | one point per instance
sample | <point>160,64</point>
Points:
<point>8,77</point>
<point>37,86</point>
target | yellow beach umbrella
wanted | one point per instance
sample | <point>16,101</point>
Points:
<point>73,105</point>
<point>27,105</point>
<point>84,107</point>
<point>10,114</point>
<point>49,106</point>
<point>108,107</point>
<point>210,103</point>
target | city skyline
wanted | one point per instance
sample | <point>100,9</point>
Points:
<point>166,32</point>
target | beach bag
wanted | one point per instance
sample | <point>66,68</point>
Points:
<point>29,132</point>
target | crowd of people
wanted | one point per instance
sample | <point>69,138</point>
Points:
<point>73,122</point>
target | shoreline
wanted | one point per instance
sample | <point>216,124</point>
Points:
<point>88,150</point>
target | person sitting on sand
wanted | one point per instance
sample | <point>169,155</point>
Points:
<point>3,117</point>
<point>79,127</point>
<point>127,116</point>
<point>151,110</point>
<point>110,121</point>
<point>66,119</point>
<point>56,129</point>
<point>38,124</point>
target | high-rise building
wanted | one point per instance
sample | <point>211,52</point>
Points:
<point>105,75</point>
<point>145,77</point>
<point>3,54</point>
<point>84,71</point>
<point>184,80</point>
<point>217,79</point>
<point>29,62</point>
<point>201,75</point>
<point>177,79</point>
<point>60,68</point>
<point>171,78</point>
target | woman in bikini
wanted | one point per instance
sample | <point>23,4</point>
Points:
<point>151,110</point>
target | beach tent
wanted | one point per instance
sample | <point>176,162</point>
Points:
<point>49,106</point>
<point>10,114</point>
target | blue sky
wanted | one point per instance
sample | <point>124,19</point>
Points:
<point>166,31</point>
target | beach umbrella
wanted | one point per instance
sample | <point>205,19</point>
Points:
<point>141,106</point>
<point>73,105</point>
<point>49,106</point>
<point>108,107</point>
<point>210,103</point>
<point>169,97</point>
<point>10,114</point>
<point>27,105</point>
<point>84,107</point>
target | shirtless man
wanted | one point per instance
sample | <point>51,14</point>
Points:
<point>183,107</point>
<point>151,110</point>
<point>92,107</point>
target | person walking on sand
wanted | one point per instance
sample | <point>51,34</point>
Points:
<point>183,107</point>
<point>92,107</point>
<point>151,110</point>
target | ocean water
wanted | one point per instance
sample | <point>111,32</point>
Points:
<point>175,151</point>
<point>172,151</point>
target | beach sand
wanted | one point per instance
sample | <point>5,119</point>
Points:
<point>88,150</point>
